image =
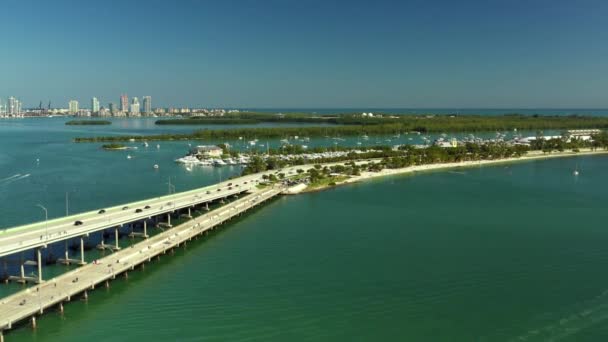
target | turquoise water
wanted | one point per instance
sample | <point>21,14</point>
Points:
<point>505,253</point>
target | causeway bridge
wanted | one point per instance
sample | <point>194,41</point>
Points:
<point>243,193</point>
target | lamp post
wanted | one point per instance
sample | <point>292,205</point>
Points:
<point>46,218</point>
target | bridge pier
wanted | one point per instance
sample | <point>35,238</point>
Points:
<point>82,251</point>
<point>169,219</point>
<point>145,229</point>
<point>39,262</point>
<point>207,206</point>
<point>116,238</point>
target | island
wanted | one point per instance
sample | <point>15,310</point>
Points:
<point>359,125</point>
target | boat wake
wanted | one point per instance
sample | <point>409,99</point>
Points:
<point>13,178</point>
<point>9,178</point>
<point>583,316</point>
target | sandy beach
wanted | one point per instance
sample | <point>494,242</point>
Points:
<point>534,155</point>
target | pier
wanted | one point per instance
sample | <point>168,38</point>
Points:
<point>33,301</point>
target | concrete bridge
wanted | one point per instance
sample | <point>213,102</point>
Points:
<point>33,301</point>
<point>41,234</point>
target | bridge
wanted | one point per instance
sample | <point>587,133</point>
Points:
<point>34,300</point>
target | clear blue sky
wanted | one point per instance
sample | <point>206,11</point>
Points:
<point>300,53</point>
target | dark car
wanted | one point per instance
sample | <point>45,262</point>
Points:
<point>208,192</point>
<point>219,189</point>
<point>147,207</point>
<point>125,208</point>
<point>245,182</point>
<point>78,223</point>
<point>229,184</point>
<point>102,211</point>
<point>138,210</point>
<point>229,188</point>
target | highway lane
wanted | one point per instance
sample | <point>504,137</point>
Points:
<point>34,300</point>
<point>40,234</point>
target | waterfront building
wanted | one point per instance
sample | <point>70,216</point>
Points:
<point>208,151</point>
<point>2,109</point>
<point>103,112</point>
<point>112,108</point>
<point>13,107</point>
<point>147,105</point>
<point>94,105</point>
<point>73,107</point>
<point>124,103</point>
<point>135,111</point>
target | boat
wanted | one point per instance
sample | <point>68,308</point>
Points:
<point>576,171</point>
<point>145,144</point>
<point>155,166</point>
<point>157,146</point>
<point>219,162</point>
<point>128,156</point>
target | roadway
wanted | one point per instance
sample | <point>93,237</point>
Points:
<point>31,301</point>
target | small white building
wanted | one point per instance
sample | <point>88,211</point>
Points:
<point>209,151</point>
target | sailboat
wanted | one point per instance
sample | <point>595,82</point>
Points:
<point>576,171</point>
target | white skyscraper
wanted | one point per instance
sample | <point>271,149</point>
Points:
<point>147,105</point>
<point>12,106</point>
<point>73,107</point>
<point>94,105</point>
<point>134,107</point>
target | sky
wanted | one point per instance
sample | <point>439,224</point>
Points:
<point>308,53</point>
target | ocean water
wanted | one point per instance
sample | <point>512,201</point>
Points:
<point>511,252</point>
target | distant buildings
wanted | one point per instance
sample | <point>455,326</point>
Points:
<point>73,107</point>
<point>12,108</point>
<point>94,105</point>
<point>134,107</point>
<point>147,105</point>
<point>124,103</point>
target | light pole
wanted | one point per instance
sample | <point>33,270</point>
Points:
<point>46,218</point>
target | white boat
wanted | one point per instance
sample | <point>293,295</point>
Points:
<point>128,156</point>
<point>156,166</point>
<point>145,144</point>
<point>157,146</point>
<point>219,162</point>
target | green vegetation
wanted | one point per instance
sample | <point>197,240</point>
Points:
<point>113,147</point>
<point>352,125</point>
<point>408,155</point>
<point>88,122</point>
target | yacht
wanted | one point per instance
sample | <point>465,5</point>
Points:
<point>128,156</point>
<point>219,162</point>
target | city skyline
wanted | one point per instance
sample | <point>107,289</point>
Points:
<point>408,54</point>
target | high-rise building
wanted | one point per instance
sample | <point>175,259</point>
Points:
<point>94,105</point>
<point>124,103</point>
<point>147,105</point>
<point>134,107</point>
<point>112,108</point>
<point>73,107</point>
<point>12,106</point>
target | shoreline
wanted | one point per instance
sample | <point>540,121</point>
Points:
<point>534,155</point>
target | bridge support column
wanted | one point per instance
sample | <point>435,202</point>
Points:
<point>116,238</point>
<point>61,307</point>
<point>207,206</point>
<point>82,251</point>
<point>39,262</point>
<point>33,322</point>
<point>169,219</point>
<point>145,229</point>
<point>1,336</point>
<point>189,213</point>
